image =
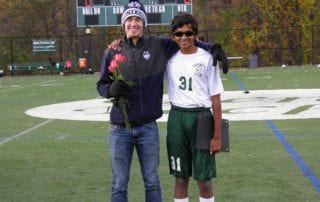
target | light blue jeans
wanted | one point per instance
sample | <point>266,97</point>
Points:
<point>122,141</point>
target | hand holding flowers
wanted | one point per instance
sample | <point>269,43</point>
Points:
<point>120,88</point>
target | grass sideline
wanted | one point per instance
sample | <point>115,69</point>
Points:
<point>68,160</point>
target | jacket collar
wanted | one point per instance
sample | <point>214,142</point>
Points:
<point>130,42</point>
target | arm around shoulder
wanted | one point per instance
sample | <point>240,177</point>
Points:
<point>170,46</point>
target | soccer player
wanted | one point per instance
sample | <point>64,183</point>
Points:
<point>194,87</point>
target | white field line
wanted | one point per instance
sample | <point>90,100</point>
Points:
<point>61,137</point>
<point>26,86</point>
<point>24,132</point>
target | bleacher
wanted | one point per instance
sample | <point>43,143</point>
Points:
<point>42,68</point>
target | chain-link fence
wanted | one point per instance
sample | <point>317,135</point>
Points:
<point>19,51</point>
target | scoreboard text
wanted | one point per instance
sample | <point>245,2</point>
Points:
<point>108,12</point>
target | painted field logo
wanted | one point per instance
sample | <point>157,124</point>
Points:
<point>237,106</point>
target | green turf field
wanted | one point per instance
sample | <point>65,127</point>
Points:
<point>62,160</point>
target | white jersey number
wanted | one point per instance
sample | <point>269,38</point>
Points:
<point>175,164</point>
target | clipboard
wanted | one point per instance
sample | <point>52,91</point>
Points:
<point>205,131</point>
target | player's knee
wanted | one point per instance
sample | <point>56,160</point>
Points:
<point>182,182</point>
<point>205,187</point>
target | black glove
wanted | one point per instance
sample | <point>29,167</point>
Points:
<point>218,54</point>
<point>119,89</point>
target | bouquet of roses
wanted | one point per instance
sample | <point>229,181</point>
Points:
<point>122,102</point>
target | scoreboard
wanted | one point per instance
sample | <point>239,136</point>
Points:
<point>101,13</point>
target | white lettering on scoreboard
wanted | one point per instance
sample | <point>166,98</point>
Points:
<point>117,9</point>
<point>155,8</point>
<point>107,12</point>
<point>149,9</point>
<point>91,11</point>
<point>182,8</point>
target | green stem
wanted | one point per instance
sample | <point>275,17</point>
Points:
<point>123,106</point>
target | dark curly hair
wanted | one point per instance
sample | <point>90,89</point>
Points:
<point>183,19</point>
